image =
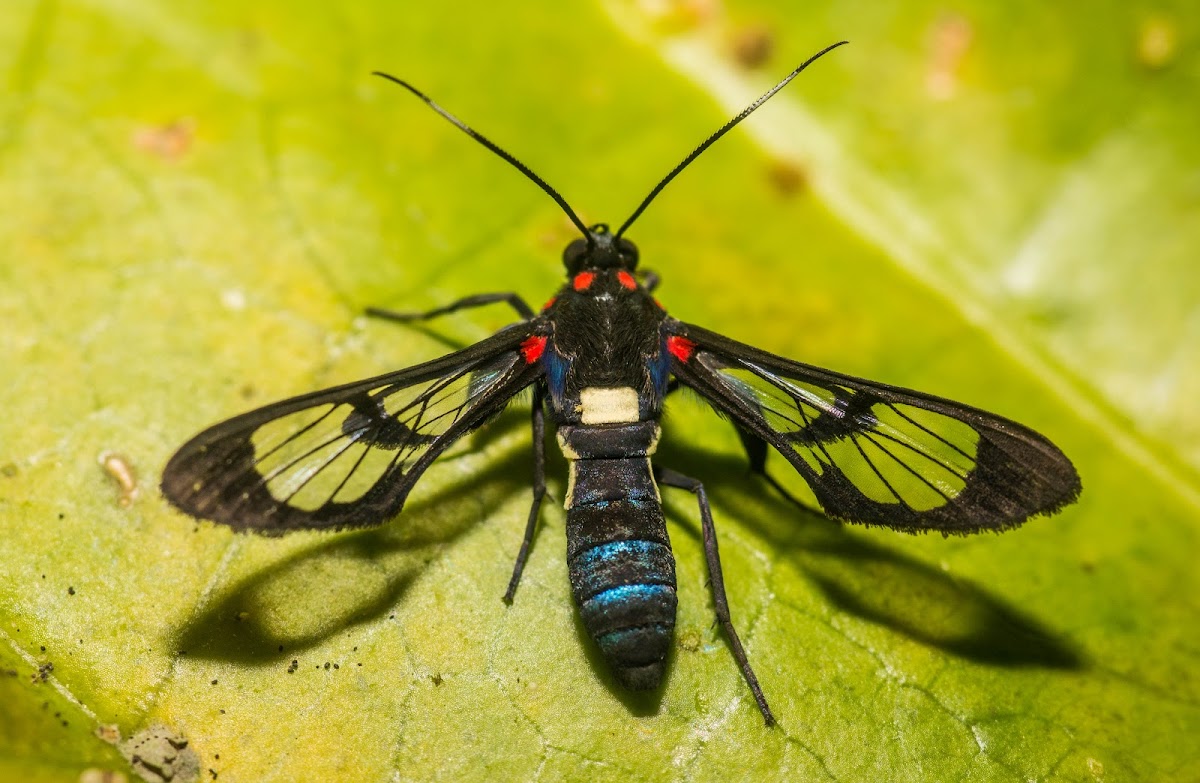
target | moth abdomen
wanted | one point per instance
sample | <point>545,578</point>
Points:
<point>623,578</point>
<point>618,554</point>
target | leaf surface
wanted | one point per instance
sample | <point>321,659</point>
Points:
<point>200,202</point>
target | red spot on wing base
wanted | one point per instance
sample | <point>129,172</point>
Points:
<point>583,280</point>
<point>549,302</point>
<point>533,348</point>
<point>680,347</point>
<point>626,279</point>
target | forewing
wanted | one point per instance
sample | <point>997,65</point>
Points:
<point>346,456</point>
<point>874,453</point>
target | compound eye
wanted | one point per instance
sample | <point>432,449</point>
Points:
<point>628,251</point>
<point>574,253</point>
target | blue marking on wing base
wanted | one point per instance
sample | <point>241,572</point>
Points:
<point>659,369</point>
<point>556,373</point>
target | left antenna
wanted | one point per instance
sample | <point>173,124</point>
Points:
<point>479,137</point>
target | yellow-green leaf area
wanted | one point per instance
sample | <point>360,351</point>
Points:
<point>201,200</point>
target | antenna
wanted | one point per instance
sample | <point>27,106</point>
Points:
<point>518,165</point>
<point>746,112</point>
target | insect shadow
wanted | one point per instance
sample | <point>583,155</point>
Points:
<point>355,577</point>
<point>877,583</point>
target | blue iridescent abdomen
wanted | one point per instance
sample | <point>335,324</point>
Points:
<point>618,554</point>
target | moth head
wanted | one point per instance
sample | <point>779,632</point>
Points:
<point>600,250</point>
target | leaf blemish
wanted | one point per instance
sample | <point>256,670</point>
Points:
<point>121,471</point>
<point>169,142</point>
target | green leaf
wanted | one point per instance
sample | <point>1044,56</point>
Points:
<point>990,205</point>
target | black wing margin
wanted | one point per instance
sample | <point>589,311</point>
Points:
<point>346,456</point>
<point>878,454</point>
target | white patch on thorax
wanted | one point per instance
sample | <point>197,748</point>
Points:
<point>608,406</point>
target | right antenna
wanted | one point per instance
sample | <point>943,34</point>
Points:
<point>746,112</point>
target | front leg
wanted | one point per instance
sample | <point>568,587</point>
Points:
<point>467,302</point>
<point>720,603</point>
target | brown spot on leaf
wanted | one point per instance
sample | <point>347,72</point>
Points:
<point>1157,42</point>
<point>753,46</point>
<point>168,142</point>
<point>121,471</point>
<point>109,732</point>
<point>95,775</point>
<point>949,41</point>
<point>787,178</point>
<point>160,755</point>
<point>677,16</point>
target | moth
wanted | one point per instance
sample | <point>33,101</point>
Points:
<point>601,358</point>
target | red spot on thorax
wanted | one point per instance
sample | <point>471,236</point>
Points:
<point>549,302</point>
<point>626,279</point>
<point>583,280</point>
<point>533,347</point>
<point>680,347</point>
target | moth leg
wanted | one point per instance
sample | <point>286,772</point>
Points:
<point>467,302</point>
<point>756,453</point>
<point>672,479</point>
<point>539,488</point>
<point>650,280</point>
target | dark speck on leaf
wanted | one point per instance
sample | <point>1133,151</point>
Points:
<point>787,177</point>
<point>753,46</point>
<point>70,591</point>
<point>214,682</point>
